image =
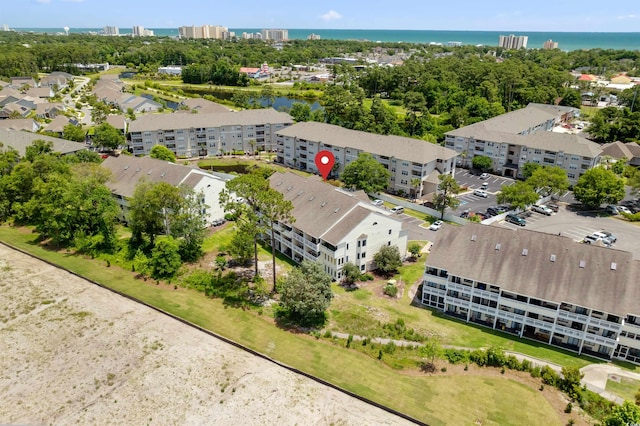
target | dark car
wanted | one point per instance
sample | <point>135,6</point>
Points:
<point>516,220</point>
<point>554,207</point>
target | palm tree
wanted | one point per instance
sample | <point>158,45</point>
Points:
<point>415,184</point>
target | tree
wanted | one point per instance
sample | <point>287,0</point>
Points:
<point>74,133</point>
<point>37,148</point>
<point>268,94</point>
<point>482,162</point>
<point>448,188</point>
<point>187,224</point>
<point>430,350</point>
<point>351,273</point>
<point>242,243</point>
<point>240,198</point>
<point>274,208</point>
<point>528,169</point>
<point>414,249</point>
<point>519,195</point>
<point>300,111</point>
<point>598,186</point>
<point>415,185</point>
<point>107,136</point>
<point>161,152</point>
<point>388,259</point>
<point>367,174</point>
<point>549,180</point>
<point>165,259</point>
<point>305,294</point>
<point>623,415</point>
<point>149,211</point>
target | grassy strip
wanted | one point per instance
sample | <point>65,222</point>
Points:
<point>436,400</point>
<point>625,389</point>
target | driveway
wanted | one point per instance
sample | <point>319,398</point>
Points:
<point>597,375</point>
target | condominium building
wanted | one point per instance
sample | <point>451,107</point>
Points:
<point>127,171</point>
<point>139,31</point>
<point>538,286</point>
<point>511,140</point>
<point>278,35</point>
<point>203,32</point>
<point>550,44</point>
<point>406,158</point>
<point>333,227</point>
<point>110,31</point>
<point>198,135</point>
<point>513,42</point>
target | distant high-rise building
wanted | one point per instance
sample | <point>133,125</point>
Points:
<point>139,31</point>
<point>550,44</point>
<point>5,27</point>
<point>313,36</point>
<point>205,31</point>
<point>110,31</point>
<point>278,35</point>
<point>513,42</point>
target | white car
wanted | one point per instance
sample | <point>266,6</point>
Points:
<point>542,209</point>
<point>484,175</point>
<point>377,202</point>
<point>436,225</point>
<point>623,209</point>
<point>480,193</point>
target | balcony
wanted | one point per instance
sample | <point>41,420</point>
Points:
<point>604,324</point>
<point>611,343</point>
<point>572,317</point>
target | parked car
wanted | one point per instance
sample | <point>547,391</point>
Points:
<point>590,239</point>
<point>542,209</point>
<point>397,209</point>
<point>623,209</point>
<point>611,209</point>
<point>480,193</point>
<point>609,236</point>
<point>436,225</point>
<point>377,202</point>
<point>484,175</point>
<point>516,220</point>
<point>554,207</point>
<point>484,185</point>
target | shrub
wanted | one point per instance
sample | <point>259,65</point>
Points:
<point>456,356</point>
<point>443,369</point>
<point>391,290</point>
<point>549,376</point>
<point>479,357</point>
<point>568,408</point>
<point>389,348</point>
<point>366,277</point>
<point>535,372</point>
<point>349,340</point>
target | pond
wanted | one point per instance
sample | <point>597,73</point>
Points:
<point>170,104</point>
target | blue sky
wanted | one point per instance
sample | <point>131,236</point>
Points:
<point>490,15</point>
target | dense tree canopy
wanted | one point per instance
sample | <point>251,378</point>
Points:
<point>388,259</point>
<point>161,152</point>
<point>520,195</point>
<point>305,294</point>
<point>366,173</point>
<point>598,186</point>
<point>107,136</point>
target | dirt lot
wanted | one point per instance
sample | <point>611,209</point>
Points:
<point>75,353</point>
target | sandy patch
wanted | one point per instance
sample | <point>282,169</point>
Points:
<point>75,353</point>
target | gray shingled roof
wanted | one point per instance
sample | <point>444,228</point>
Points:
<point>21,140</point>
<point>565,142</point>
<point>519,120</point>
<point>185,121</point>
<point>203,106</point>
<point>617,150</point>
<point>404,148</point>
<point>127,171</point>
<point>596,286</point>
<point>320,209</point>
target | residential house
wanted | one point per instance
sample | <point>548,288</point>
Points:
<point>26,124</point>
<point>118,121</point>
<point>405,158</point>
<point>333,227</point>
<point>193,135</point>
<point>56,79</point>
<point>50,110</point>
<point>538,286</point>
<point>59,123</point>
<point>14,110</point>
<point>40,92</point>
<point>170,70</point>
<point>625,152</point>
<point>621,79</point>
<point>513,139</point>
<point>20,82</point>
<point>20,140</point>
<point>127,171</point>
<point>112,92</point>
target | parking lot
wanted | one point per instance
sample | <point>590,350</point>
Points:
<point>577,226</point>
<point>474,203</point>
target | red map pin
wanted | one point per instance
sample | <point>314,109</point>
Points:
<point>324,162</point>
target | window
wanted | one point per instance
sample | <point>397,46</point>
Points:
<point>405,173</point>
<point>389,231</point>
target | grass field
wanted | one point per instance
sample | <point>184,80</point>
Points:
<point>626,388</point>
<point>438,400</point>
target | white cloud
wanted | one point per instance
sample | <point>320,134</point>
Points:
<point>630,16</point>
<point>74,1</point>
<point>43,1</point>
<point>331,15</point>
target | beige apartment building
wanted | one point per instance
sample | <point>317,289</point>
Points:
<point>511,140</point>
<point>208,134</point>
<point>538,286</point>
<point>405,158</point>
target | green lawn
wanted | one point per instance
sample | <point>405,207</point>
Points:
<point>438,400</point>
<point>626,388</point>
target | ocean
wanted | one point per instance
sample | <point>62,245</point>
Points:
<point>566,40</point>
